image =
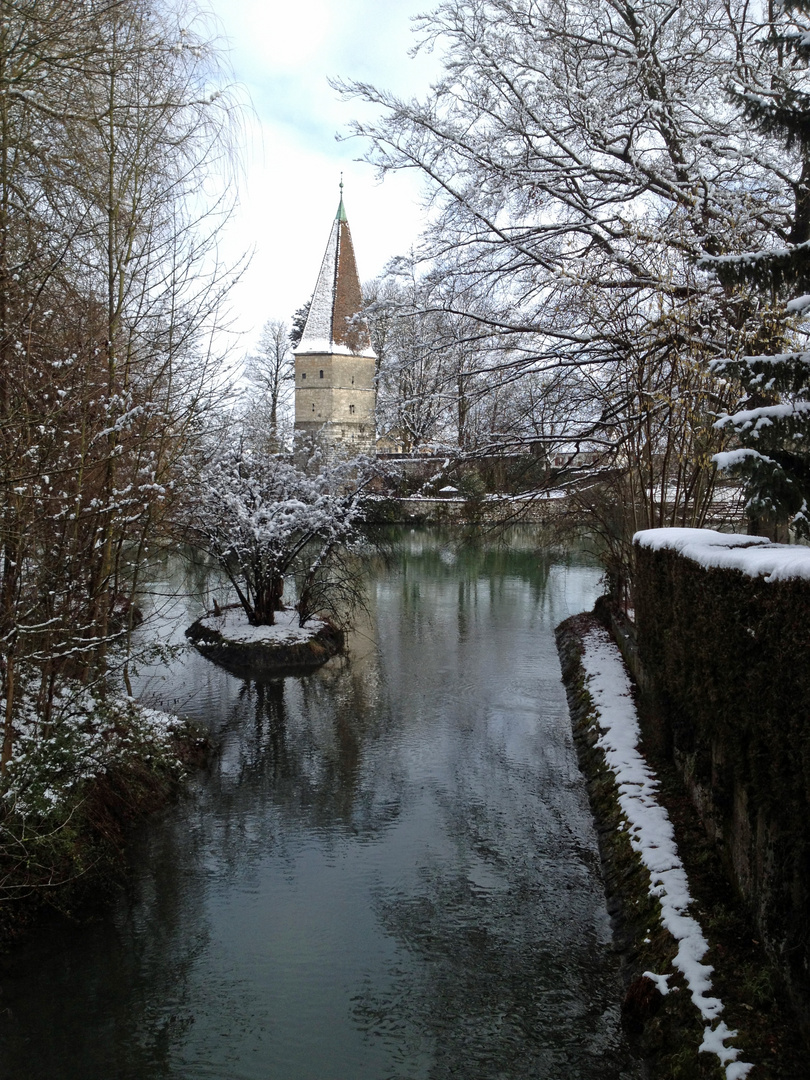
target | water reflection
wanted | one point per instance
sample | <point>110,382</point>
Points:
<point>389,872</point>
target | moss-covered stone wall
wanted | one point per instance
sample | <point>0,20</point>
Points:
<point>726,660</point>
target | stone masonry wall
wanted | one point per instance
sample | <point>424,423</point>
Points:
<point>724,663</point>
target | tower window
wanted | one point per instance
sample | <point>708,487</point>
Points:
<point>303,375</point>
<point>313,406</point>
<point>351,408</point>
<point>321,374</point>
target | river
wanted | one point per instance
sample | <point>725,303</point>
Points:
<point>389,872</point>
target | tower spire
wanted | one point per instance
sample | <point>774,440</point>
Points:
<point>335,322</point>
<point>341,213</point>
<point>335,364</point>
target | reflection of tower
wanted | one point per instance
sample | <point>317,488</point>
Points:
<point>334,361</point>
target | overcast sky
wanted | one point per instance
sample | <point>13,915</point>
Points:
<point>283,53</point>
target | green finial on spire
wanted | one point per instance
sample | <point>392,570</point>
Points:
<point>341,214</point>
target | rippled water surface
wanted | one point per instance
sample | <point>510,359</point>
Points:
<point>389,873</point>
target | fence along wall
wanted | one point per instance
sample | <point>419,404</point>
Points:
<point>723,630</point>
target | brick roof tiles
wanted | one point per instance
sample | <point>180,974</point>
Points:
<point>335,323</point>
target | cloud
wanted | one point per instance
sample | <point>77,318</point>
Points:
<point>284,55</point>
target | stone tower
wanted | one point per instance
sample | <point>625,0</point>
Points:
<point>335,364</point>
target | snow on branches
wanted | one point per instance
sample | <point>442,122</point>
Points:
<point>267,518</point>
<point>770,417</point>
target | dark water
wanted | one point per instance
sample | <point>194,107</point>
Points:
<point>390,871</point>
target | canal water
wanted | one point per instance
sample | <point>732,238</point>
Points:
<point>388,873</point>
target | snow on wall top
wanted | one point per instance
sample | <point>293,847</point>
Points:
<point>754,556</point>
<point>335,324</point>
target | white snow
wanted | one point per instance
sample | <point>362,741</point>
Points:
<point>764,416</point>
<point>727,459</point>
<point>234,626</point>
<point>88,737</point>
<point>760,360</point>
<point>713,1043</point>
<point>160,723</point>
<point>754,556</point>
<point>661,981</point>
<point>652,836</point>
<point>312,346</point>
<point>318,336</point>
<point>318,327</point>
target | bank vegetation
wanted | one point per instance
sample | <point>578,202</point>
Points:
<point>115,125</point>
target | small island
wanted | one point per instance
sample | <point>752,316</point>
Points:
<point>227,638</point>
<point>284,530</point>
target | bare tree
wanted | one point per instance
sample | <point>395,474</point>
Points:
<point>109,116</point>
<point>299,321</point>
<point>582,158</point>
<point>574,145</point>
<point>412,404</point>
<point>272,373</point>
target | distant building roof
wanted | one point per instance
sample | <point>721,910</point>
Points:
<point>335,323</point>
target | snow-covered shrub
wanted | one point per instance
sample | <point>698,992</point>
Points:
<point>269,518</point>
<point>72,788</point>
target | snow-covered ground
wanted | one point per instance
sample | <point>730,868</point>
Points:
<point>652,836</point>
<point>753,555</point>
<point>232,624</point>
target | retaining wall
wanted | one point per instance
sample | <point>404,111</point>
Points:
<point>721,650</point>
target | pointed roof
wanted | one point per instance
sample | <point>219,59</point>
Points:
<point>335,323</point>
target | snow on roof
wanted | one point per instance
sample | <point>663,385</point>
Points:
<point>313,346</point>
<point>754,556</point>
<point>335,324</point>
